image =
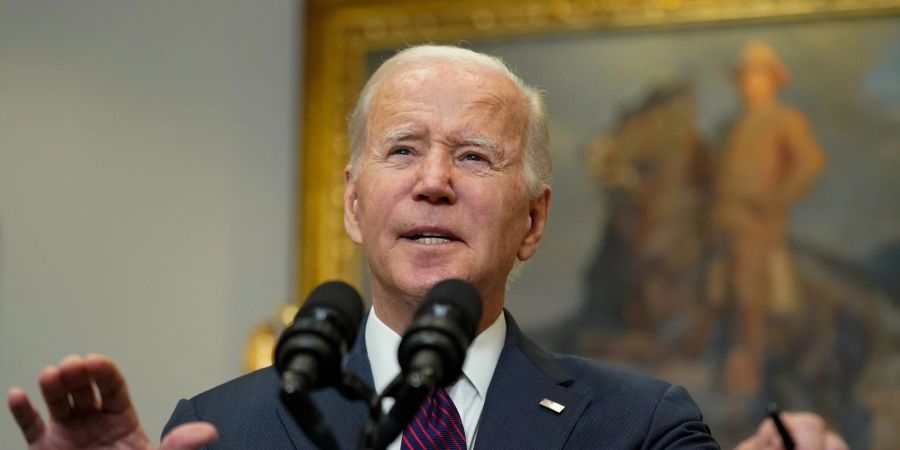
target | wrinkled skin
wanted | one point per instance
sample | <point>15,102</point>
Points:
<point>79,419</point>
<point>443,159</point>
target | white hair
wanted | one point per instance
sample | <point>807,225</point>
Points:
<point>536,158</point>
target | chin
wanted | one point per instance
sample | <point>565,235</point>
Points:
<point>420,282</point>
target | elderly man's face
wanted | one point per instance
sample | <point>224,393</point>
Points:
<point>440,190</point>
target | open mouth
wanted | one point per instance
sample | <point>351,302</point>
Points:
<point>430,238</point>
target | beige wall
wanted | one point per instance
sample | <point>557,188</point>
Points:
<point>147,182</point>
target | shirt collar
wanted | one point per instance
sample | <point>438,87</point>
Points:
<point>381,345</point>
<point>481,358</point>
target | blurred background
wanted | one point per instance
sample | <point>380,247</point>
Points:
<point>148,173</point>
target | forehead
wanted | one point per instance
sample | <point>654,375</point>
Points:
<point>449,88</point>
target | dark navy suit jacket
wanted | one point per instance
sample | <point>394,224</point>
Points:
<point>605,407</point>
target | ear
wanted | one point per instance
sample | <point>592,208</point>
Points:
<point>351,207</point>
<point>537,215</point>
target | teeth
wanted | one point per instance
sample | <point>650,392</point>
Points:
<point>429,240</point>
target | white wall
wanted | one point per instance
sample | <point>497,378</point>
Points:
<point>148,154</point>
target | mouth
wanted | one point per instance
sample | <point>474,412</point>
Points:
<point>430,236</point>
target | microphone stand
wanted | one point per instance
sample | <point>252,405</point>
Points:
<point>409,391</point>
<point>307,415</point>
<point>295,397</point>
<point>353,388</point>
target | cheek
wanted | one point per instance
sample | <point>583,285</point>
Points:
<point>507,218</point>
<point>376,208</point>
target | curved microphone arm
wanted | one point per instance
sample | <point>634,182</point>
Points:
<point>313,423</point>
<point>354,388</point>
<point>307,415</point>
<point>409,392</point>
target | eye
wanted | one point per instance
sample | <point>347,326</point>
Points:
<point>474,157</point>
<point>401,151</point>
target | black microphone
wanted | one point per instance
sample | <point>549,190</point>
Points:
<point>310,352</point>
<point>434,346</point>
<point>431,353</point>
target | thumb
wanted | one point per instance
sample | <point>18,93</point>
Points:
<point>834,442</point>
<point>190,436</point>
<point>747,444</point>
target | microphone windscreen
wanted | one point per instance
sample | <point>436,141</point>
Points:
<point>339,297</point>
<point>461,294</point>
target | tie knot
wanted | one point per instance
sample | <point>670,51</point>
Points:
<point>438,401</point>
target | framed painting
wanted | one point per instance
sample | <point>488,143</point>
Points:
<point>751,258</point>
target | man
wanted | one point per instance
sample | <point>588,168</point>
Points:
<point>770,161</point>
<point>448,178</point>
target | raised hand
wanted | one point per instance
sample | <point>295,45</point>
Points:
<point>90,408</point>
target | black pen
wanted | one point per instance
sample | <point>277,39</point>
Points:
<point>775,414</point>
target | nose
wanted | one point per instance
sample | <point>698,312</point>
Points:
<point>435,179</point>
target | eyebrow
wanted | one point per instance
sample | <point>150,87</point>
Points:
<point>484,143</point>
<point>398,135</point>
<point>477,141</point>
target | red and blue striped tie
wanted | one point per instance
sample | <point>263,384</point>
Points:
<point>436,426</point>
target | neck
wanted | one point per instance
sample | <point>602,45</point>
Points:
<point>396,313</point>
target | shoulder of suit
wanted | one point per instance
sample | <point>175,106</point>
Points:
<point>258,386</point>
<point>600,379</point>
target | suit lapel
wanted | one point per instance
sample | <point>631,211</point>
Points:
<point>512,415</point>
<point>346,418</point>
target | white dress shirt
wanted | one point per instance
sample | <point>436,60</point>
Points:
<point>469,391</point>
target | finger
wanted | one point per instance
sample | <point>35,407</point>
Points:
<point>110,383</point>
<point>79,385</point>
<point>190,436</point>
<point>808,429</point>
<point>28,419</point>
<point>767,435</point>
<point>834,442</point>
<point>54,393</point>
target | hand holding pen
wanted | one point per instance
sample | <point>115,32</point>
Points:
<point>787,441</point>
<point>806,431</point>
